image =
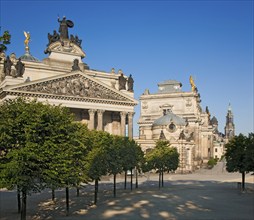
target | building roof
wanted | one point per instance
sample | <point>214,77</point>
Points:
<point>169,118</point>
<point>28,57</point>
<point>169,86</point>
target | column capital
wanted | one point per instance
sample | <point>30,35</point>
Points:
<point>123,113</point>
<point>92,111</point>
<point>100,111</point>
<point>131,114</point>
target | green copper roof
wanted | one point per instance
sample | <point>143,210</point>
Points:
<point>169,118</point>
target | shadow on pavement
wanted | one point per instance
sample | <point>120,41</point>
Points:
<point>178,199</point>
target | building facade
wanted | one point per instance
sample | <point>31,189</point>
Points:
<point>103,100</point>
<point>177,116</point>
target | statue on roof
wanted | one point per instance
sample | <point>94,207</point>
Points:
<point>7,66</point>
<point>27,40</point>
<point>193,86</point>
<point>53,38</point>
<point>63,28</point>
<point>130,83</point>
<point>75,40</point>
<point>122,82</point>
<point>20,68</point>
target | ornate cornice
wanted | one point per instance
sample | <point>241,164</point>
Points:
<point>72,87</point>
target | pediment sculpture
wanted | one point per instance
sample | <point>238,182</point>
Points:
<point>75,86</point>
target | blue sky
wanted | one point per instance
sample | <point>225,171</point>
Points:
<point>155,41</point>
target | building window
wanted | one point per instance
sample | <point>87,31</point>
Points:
<point>172,127</point>
<point>216,150</point>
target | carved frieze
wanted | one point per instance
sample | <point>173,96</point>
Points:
<point>76,86</point>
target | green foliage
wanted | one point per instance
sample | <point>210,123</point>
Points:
<point>40,146</point>
<point>131,154</point>
<point>211,163</point>
<point>236,152</point>
<point>97,160</point>
<point>4,40</point>
<point>240,155</point>
<point>162,157</point>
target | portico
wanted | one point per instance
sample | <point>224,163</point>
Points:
<point>96,98</point>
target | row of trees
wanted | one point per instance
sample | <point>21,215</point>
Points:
<point>240,155</point>
<point>42,147</point>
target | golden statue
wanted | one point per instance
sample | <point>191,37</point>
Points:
<point>27,35</point>
<point>193,86</point>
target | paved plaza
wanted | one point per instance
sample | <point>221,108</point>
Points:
<point>206,194</point>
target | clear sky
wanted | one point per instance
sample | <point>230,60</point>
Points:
<point>154,41</point>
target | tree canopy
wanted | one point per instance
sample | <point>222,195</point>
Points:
<point>239,155</point>
<point>162,158</point>
<point>40,146</point>
<point>4,40</point>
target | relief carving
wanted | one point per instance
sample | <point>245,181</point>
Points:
<point>74,86</point>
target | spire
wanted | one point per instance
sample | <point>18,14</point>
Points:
<point>229,107</point>
<point>230,126</point>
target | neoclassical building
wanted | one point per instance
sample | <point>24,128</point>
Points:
<point>103,100</point>
<point>177,116</point>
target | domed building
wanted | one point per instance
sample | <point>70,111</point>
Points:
<point>174,115</point>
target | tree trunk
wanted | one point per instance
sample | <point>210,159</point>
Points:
<point>19,200</point>
<point>67,200</point>
<point>159,179</point>
<point>162,179</point>
<point>23,207</point>
<point>125,179</point>
<point>131,179</point>
<point>114,185</point>
<point>96,186</point>
<point>77,191</point>
<point>243,181</point>
<point>53,194</point>
<point>136,178</point>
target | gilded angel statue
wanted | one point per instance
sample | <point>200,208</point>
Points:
<point>193,86</point>
<point>27,35</point>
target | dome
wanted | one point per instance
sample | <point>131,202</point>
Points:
<point>214,121</point>
<point>169,118</point>
<point>28,57</point>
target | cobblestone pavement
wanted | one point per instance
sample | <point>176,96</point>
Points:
<point>205,194</point>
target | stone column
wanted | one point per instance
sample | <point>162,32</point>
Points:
<point>100,119</point>
<point>91,118</point>
<point>130,124</point>
<point>123,122</point>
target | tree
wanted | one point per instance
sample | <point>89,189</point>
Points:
<point>4,40</point>
<point>239,155</point>
<point>96,164</point>
<point>132,156</point>
<point>249,162</point>
<point>39,147</point>
<point>115,159</point>
<point>162,158</point>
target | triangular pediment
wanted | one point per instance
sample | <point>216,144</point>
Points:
<point>76,86</point>
<point>66,47</point>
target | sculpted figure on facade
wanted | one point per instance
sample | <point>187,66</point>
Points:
<point>53,38</point>
<point>122,82</point>
<point>75,65</point>
<point>20,68</point>
<point>7,66</point>
<point>182,135</point>
<point>193,86</point>
<point>27,40</point>
<point>75,40</point>
<point>63,28</point>
<point>130,83</point>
